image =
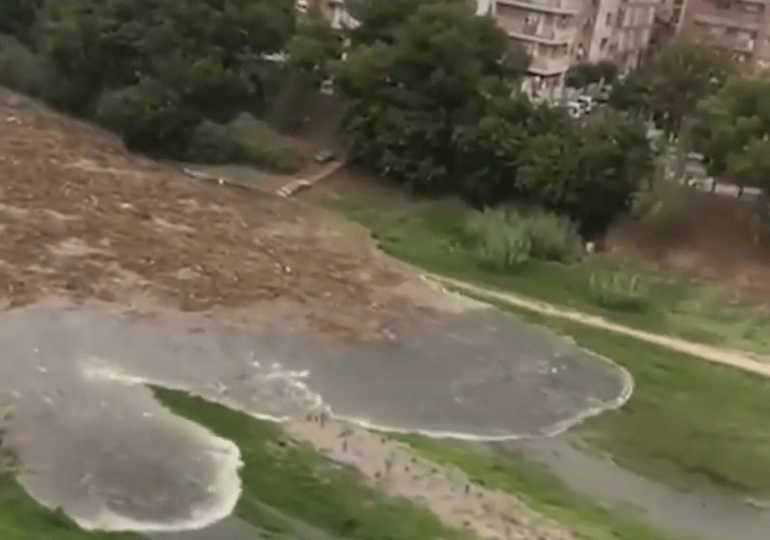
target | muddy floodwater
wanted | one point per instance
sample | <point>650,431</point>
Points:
<point>95,443</point>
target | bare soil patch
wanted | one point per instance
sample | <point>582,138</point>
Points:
<point>82,216</point>
<point>705,235</point>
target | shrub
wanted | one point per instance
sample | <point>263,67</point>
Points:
<point>618,291</point>
<point>244,140</point>
<point>149,117</point>
<point>213,143</point>
<point>262,146</point>
<point>505,240</point>
<point>20,68</point>
<point>552,238</point>
<point>499,240</point>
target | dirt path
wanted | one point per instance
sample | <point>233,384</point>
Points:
<point>741,360</point>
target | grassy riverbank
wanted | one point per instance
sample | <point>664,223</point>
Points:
<point>21,518</point>
<point>534,485</point>
<point>297,481</point>
<point>688,420</point>
<point>427,234</point>
<point>285,486</point>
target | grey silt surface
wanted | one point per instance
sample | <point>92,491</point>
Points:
<point>706,514</point>
<point>93,441</point>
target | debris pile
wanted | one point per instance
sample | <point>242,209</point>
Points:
<point>83,217</point>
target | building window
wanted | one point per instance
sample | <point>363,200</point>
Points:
<point>620,19</point>
<point>603,43</point>
<point>753,8</point>
<point>609,19</point>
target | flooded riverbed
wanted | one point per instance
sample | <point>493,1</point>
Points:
<point>94,442</point>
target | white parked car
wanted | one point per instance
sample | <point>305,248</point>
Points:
<point>574,109</point>
<point>587,102</point>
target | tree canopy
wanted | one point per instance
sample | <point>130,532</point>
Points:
<point>431,101</point>
<point>672,83</point>
<point>430,93</point>
<point>17,18</point>
<point>586,73</point>
<point>733,131</point>
<point>404,98</point>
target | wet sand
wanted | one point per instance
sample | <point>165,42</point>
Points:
<point>75,379</point>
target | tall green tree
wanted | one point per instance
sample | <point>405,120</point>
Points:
<point>380,21</point>
<point>211,52</point>
<point>733,131</point>
<point>583,74</point>
<point>590,172</point>
<point>630,94</point>
<point>489,150</point>
<point>17,17</point>
<point>679,77</point>
<point>406,95</point>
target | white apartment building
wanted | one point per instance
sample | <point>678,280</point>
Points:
<point>548,30</point>
<point>621,31</point>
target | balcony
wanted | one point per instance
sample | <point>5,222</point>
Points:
<point>549,66</point>
<point>550,36</point>
<point>557,7</point>
<point>728,19</point>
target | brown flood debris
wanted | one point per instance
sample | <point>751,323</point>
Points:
<point>82,216</point>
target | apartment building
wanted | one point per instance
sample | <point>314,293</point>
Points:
<point>555,33</point>
<point>621,32</point>
<point>333,11</point>
<point>671,11</point>
<point>547,29</point>
<point>740,25</point>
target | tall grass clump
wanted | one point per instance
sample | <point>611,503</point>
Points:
<point>498,240</point>
<point>552,237</point>
<point>618,291</point>
<point>503,240</point>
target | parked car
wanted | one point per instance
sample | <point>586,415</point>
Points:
<point>587,103</point>
<point>574,109</point>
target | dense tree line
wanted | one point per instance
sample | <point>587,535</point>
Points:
<point>694,92</point>
<point>156,70</point>
<point>432,102</point>
<point>670,85</point>
<point>430,93</point>
<point>733,131</point>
